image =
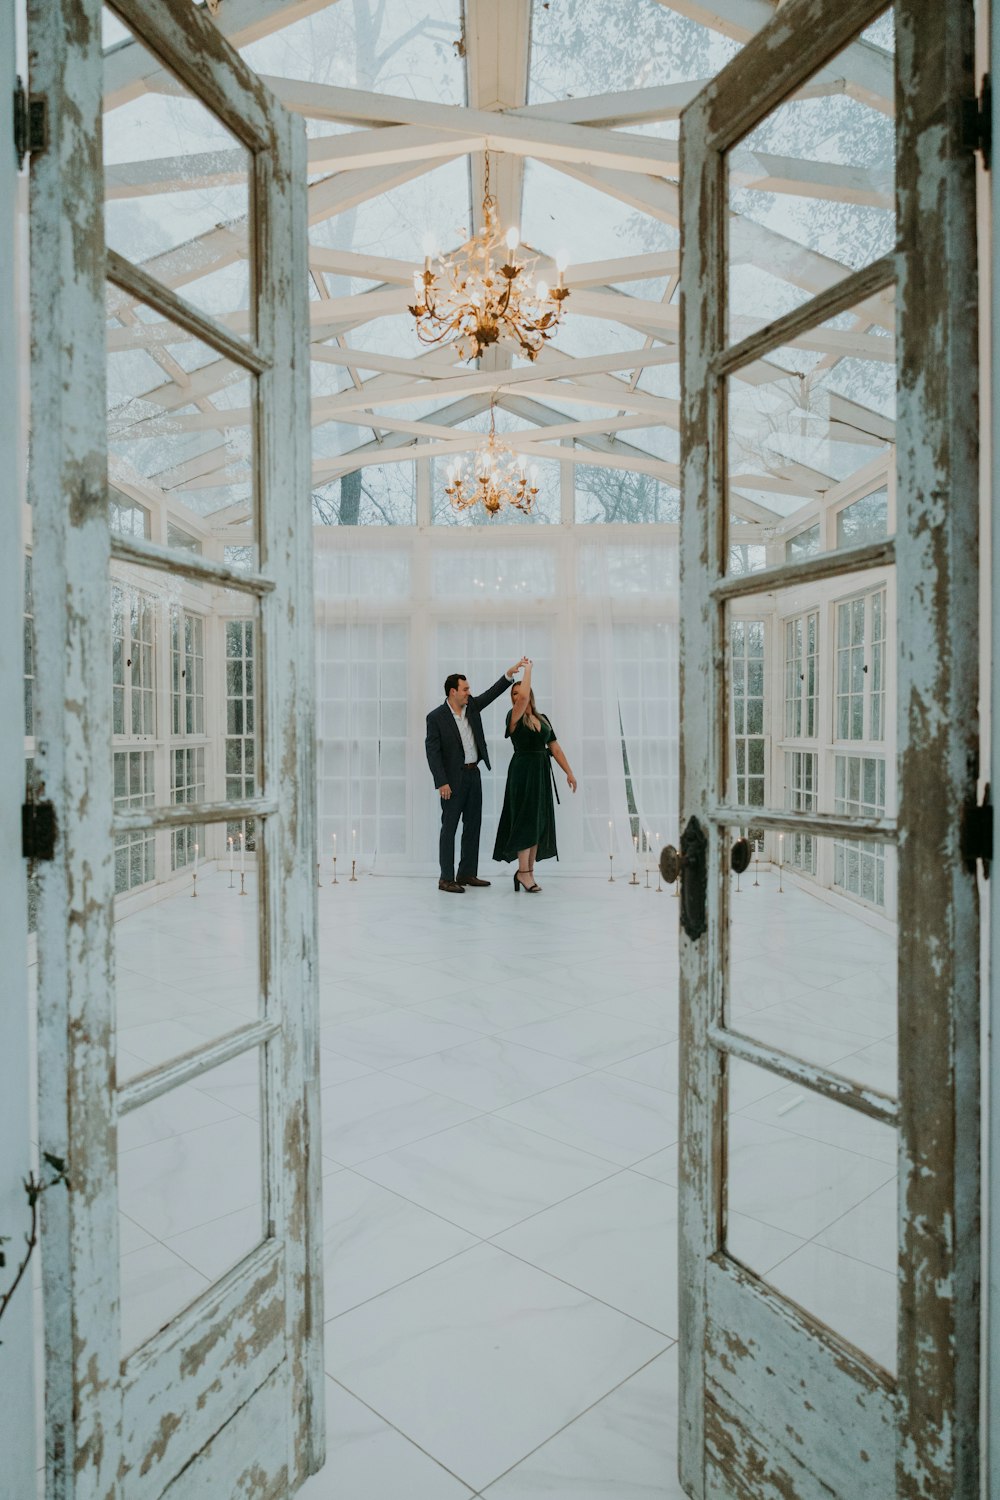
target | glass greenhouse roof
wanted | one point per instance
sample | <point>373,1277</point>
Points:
<point>811,197</point>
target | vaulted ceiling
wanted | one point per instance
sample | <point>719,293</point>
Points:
<point>577,103</point>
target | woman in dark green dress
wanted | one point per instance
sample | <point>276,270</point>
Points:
<point>527,827</point>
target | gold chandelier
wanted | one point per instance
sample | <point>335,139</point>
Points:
<point>495,477</point>
<point>481,295</point>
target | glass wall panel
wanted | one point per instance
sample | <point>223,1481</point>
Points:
<point>616,495</point>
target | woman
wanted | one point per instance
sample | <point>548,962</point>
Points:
<point>527,828</point>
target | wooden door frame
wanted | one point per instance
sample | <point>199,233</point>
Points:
<point>259,1329</point>
<point>17,1349</point>
<point>934,1403</point>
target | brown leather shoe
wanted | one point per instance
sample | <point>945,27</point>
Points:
<point>472,880</point>
<point>451,885</point>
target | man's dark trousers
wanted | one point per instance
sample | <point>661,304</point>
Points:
<point>465,803</point>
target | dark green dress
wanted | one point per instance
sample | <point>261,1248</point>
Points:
<point>528,815</point>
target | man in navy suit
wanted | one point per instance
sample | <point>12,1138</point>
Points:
<point>455,745</point>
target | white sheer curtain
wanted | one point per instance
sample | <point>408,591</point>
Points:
<point>399,608</point>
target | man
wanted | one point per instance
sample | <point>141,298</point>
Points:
<point>455,745</point>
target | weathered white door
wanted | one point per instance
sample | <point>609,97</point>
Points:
<point>779,1398</point>
<point>219,1390</point>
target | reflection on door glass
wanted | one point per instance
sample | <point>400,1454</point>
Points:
<point>811,1190</point>
<point>181,423</point>
<point>812,191</point>
<point>812,958</point>
<point>187,966</point>
<point>176,182</point>
<point>190,1203</point>
<point>811,428</point>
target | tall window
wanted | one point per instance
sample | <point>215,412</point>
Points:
<point>801,767</point>
<point>877,715</point>
<point>801,676</point>
<point>747,667</point>
<point>133,687</point>
<point>241,779</point>
<point>187,673</point>
<point>858,865</point>
<point>135,862</point>
<point>187,767</point>
<point>860,668</point>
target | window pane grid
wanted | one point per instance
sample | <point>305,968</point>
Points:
<point>801,771</point>
<point>240,738</point>
<point>859,866</point>
<point>749,745</point>
<point>135,851</point>
<point>187,673</point>
<point>187,769</point>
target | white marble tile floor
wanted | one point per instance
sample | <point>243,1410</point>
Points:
<point>499,1128</point>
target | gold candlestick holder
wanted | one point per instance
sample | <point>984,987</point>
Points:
<point>335,881</point>
<point>659,887</point>
<point>635,876</point>
<point>243,889</point>
<point>781,889</point>
<point>756,866</point>
<point>194,883</point>
<point>230,879</point>
<point>611,877</point>
<point>647,878</point>
<point>354,865</point>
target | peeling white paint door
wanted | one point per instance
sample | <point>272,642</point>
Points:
<point>221,1395</point>
<point>788,1388</point>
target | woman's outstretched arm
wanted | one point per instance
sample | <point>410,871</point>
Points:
<point>560,760</point>
<point>522,697</point>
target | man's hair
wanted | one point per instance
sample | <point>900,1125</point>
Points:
<point>452,681</point>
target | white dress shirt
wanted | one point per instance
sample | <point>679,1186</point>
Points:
<point>468,739</point>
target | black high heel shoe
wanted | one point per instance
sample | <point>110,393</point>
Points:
<point>531,890</point>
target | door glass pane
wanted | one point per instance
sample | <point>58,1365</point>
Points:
<point>811,1194</point>
<point>187,965</point>
<point>190,1199</point>
<point>813,952</point>
<point>177,185</point>
<point>181,423</point>
<point>812,191</point>
<point>811,428</point>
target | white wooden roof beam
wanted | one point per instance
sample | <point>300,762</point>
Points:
<point>585,275</point>
<point>866,71</point>
<point>129,70</point>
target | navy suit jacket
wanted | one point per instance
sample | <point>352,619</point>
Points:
<point>445,753</point>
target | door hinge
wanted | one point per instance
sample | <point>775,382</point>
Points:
<point>31,123</point>
<point>977,834</point>
<point>38,830</point>
<point>977,121</point>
